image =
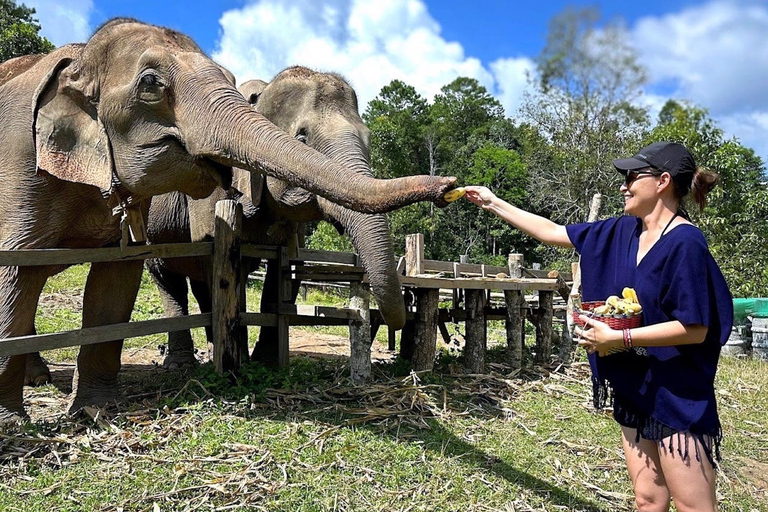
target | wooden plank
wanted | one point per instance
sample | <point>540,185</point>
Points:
<point>479,283</point>
<point>267,252</point>
<point>225,291</point>
<point>347,258</point>
<point>328,269</point>
<point>100,334</point>
<point>33,257</point>
<point>345,314</point>
<point>260,319</point>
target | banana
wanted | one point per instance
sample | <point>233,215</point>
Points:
<point>629,295</point>
<point>456,193</point>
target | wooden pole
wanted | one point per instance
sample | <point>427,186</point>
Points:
<point>360,333</point>
<point>544,326</point>
<point>227,346</point>
<point>425,337</point>
<point>514,327</point>
<point>284,297</point>
<point>475,341</point>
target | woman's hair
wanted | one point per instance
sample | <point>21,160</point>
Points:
<point>700,183</point>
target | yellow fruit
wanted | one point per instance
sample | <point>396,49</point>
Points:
<point>634,308</point>
<point>612,301</point>
<point>629,295</point>
<point>455,194</point>
<point>602,310</point>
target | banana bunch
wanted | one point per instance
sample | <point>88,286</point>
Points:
<point>626,305</point>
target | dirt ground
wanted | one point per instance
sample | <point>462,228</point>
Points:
<point>45,404</point>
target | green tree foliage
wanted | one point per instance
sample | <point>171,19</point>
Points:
<point>735,218</point>
<point>325,237</point>
<point>19,32</point>
<point>581,115</point>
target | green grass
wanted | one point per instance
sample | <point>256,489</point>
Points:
<point>304,439</point>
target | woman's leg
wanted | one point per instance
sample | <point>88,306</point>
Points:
<point>690,481</point>
<point>645,470</point>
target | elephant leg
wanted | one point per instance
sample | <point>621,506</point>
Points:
<point>37,372</point>
<point>202,293</point>
<point>20,289</point>
<point>110,293</point>
<point>266,349</point>
<point>173,294</point>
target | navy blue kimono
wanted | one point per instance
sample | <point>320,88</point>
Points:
<point>660,391</point>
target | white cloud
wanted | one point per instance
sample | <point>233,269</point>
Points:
<point>512,81</point>
<point>63,22</point>
<point>715,55</point>
<point>370,43</point>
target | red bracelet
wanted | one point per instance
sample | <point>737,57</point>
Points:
<point>627,338</point>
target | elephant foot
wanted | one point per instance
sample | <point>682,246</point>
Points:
<point>11,416</point>
<point>94,398</point>
<point>180,359</point>
<point>265,354</point>
<point>37,372</point>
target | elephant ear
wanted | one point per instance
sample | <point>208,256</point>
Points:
<point>252,89</point>
<point>70,140</point>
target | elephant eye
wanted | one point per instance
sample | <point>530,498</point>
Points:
<point>150,88</point>
<point>302,137</point>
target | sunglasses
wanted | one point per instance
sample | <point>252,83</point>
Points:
<point>633,175</point>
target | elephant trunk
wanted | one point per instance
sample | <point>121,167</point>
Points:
<point>234,134</point>
<point>371,239</point>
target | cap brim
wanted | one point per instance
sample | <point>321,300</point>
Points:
<point>629,164</point>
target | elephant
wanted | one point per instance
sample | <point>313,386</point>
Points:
<point>320,110</point>
<point>91,132</point>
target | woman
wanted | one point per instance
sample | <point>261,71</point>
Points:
<point>662,388</point>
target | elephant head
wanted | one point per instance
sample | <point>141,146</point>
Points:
<point>321,111</point>
<point>140,110</point>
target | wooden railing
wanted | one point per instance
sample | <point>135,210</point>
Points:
<point>228,295</point>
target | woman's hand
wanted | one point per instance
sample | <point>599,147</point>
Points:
<point>597,336</point>
<point>481,196</point>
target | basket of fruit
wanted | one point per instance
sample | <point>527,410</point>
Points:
<point>618,312</point>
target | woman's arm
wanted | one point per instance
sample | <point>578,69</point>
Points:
<point>538,227</point>
<point>597,336</point>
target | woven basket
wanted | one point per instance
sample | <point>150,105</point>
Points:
<point>613,321</point>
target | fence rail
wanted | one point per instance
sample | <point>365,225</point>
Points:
<point>309,265</point>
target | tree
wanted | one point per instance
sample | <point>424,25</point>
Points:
<point>19,32</point>
<point>581,115</point>
<point>734,221</point>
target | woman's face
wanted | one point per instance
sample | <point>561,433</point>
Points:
<point>640,191</point>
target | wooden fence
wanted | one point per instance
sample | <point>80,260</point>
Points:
<point>423,280</point>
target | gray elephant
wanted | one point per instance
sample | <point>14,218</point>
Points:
<point>320,110</point>
<point>90,132</point>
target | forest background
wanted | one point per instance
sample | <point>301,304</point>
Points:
<point>581,111</point>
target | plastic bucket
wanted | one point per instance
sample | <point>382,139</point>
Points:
<point>760,338</point>
<point>738,343</point>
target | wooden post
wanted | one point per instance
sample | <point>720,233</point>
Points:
<point>284,297</point>
<point>360,333</point>
<point>243,307</point>
<point>227,346</point>
<point>414,254</point>
<point>544,326</point>
<point>408,332</point>
<point>475,341</point>
<point>391,339</point>
<point>425,335</point>
<point>514,327</point>
<point>515,264</point>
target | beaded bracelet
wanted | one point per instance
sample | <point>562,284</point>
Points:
<point>627,338</point>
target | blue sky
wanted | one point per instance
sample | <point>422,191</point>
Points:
<point>713,53</point>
